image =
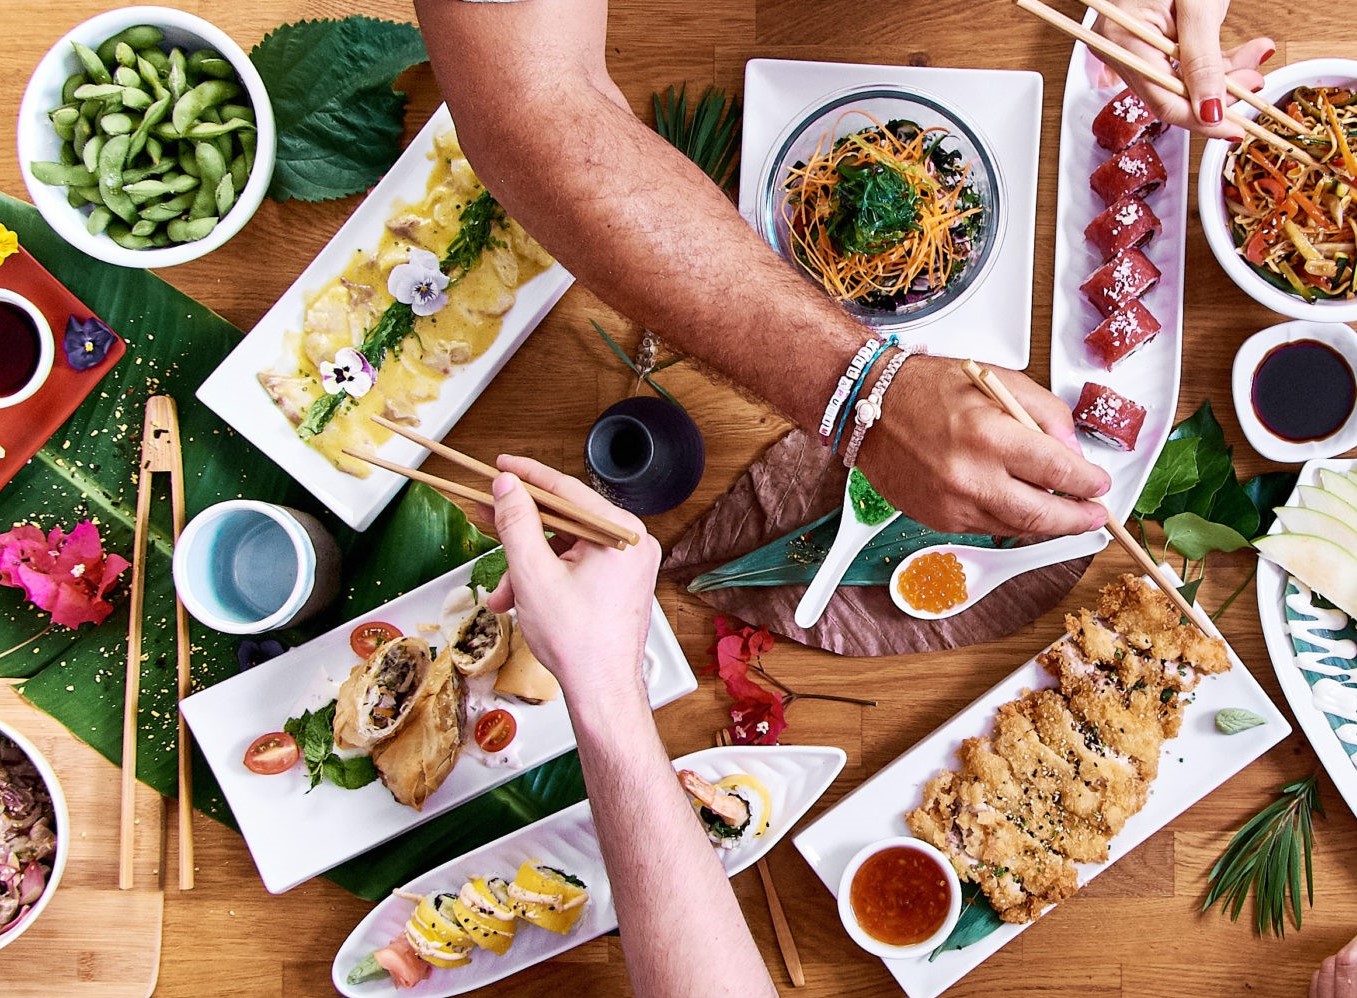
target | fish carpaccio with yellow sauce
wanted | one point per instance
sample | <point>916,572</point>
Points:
<point>342,311</point>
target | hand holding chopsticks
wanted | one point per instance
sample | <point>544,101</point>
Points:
<point>988,383</point>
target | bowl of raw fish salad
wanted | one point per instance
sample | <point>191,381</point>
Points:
<point>887,198</point>
<point>146,137</point>
<point>34,834</point>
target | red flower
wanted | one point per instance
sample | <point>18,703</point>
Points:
<point>67,574</point>
<point>758,714</point>
<point>759,718</point>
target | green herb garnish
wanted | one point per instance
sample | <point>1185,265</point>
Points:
<point>868,505</point>
<point>1233,720</point>
<point>488,570</point>
<point>710,136</point>
<point>978,919</point>
<point>873,209</point>
<point>1265,857</point>
<point>315,735</point>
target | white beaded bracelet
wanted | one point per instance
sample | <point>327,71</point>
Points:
<point>868,410</point>
<point>841,391</point>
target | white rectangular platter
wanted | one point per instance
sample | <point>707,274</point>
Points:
<point>1004,107</point>
<point>1150,376</point>
<point>233,392</point>
<point>796,776</point>
<point>294,835</point>
<point>1193,764</point>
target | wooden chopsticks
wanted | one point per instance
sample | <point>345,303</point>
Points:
<point>1150,36</point>
<point>989,383</point>
<point>574,519</point>
<point>1166,80</point>
<point>160,452</point>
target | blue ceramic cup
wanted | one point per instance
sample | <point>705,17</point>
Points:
<point>245,567</point>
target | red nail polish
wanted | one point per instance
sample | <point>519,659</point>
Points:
<point>1211,111</point>
<point>1267,55</point>
<point>1258,88</point>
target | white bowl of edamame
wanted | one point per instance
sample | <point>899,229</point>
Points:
<point>146,137</point>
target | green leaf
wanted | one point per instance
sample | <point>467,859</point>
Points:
<point>710,138</point>
<point>314,732</point>
<point>978,919</point>
<point>1233,720</point>
<point>487,572</point>
<point>339,121</point>
<point>794,558</point>
<point>1194,537</point>
<point>1217,496</point>
<point>352,773</point>
<point>1266,492</point>
<point>1188,590</point>
<point>1174,471</point>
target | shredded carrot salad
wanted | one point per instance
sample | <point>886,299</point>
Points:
<point>914,216</point>
<point>1296,225</point>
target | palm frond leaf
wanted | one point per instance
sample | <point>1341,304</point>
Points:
<point>710,136</point>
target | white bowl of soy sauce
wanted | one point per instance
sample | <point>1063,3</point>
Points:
<point>26,349</point>
<point>1295,390</point>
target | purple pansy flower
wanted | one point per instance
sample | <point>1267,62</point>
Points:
<point>87,342</point>
<point>350,372</point>
<point>252,652</point>
<point>419,283</point>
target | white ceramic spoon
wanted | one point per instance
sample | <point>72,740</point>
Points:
<point>852,537</point>
<point>988,568</point>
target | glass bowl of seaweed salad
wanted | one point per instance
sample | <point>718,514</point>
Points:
<point>887,198</point>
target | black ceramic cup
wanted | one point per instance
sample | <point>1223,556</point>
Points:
<point>645,454</point>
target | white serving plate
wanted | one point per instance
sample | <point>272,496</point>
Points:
<point>994,323</point>
<point>795,775</point>
<point>233,392</point>
<point>1150,376</point>
<point>1291,666</point>
<point>294,835</point>
<point>1193,764</point>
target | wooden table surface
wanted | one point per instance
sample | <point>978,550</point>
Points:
<point>1137,930</point>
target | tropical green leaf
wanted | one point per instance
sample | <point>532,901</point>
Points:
<point>339,121</point>
<point>710,137</point>
<point>1266,492</point>
<point>1174,471</point>
<point>1194,537</point>
<point>794,558</point>
<point>978,919</point>
<point>1217,496</point>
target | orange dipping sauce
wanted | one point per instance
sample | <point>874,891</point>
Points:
<point>933,582</point>
<point>900,896</point>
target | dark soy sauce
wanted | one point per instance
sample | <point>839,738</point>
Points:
<point>18,348</point>
<point>1303,390</point>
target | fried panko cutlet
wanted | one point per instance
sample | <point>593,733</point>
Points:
<point>1062,770</point>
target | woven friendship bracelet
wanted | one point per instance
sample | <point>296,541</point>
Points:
<point>856,366</point>
<point>868,410</point>
<point>845,414</point>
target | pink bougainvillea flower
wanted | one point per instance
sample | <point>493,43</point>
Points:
<point>759,718</point>
<point>66,574</point>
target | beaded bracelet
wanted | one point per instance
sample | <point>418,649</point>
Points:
<point>887,342</point>
<point>868,411</point>
<point>867,352</point>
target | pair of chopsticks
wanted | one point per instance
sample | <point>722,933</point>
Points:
<point>1168,81</point>
<point>574,519</point>
<point>160,452</point>
<point>989,383</point>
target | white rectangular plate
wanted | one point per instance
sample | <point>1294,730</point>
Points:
<point>795,776</point>
<point>1150,376</point>
<point>233,391</point>
<point>995,323</point>
<point>1193,764</point>
<point>294,835</point>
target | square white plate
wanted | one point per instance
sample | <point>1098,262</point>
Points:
<point>233,391</point>
<point>294,835</point>
<point>995,323</point>
<point>796,776</point>
<point>1193,764</point>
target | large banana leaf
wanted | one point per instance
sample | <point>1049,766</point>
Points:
<point>86,470</point>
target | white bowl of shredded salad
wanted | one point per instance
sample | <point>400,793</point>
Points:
<point>34,834</point>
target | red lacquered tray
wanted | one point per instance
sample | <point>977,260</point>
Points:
<point>24,428</point>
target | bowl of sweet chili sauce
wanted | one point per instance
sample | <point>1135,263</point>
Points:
<point>899,898</point>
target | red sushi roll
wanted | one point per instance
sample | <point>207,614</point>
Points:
<point>1127,224</point>
<point>1137,169</point>
<point>1119,281</point>
<point>1122,333</point>
<point>1109,417</point>
<point>1125,120</point>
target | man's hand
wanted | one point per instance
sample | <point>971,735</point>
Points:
<point>1195,26</point>
<point>1337,975</point>
<point>957,462</point>
<point>585,613</point>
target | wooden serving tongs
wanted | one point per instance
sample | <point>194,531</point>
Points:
<point>160,452</point>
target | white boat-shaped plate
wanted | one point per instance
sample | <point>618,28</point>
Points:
<point>1314,652</point>
<point>1193,764</point>
<point>294,835</point>
<point>233,391</point>
<point>795,775</point>
<point>994,324</point>
<point>1150,376</point>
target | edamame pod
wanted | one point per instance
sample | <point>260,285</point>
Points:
<point>242,111</point>
<point>177,75</point>
<point>167,211</point>
<point>90,154</point>
<point>147,189</point>
<point>68,156</point>
<point>151,77</point>
<point>144,228</point>
<point>60,173</point>
<point>225,194</point>
<point>142,172</point>
<point>181,231</point>
<point>190,107</point>
<point>99,91</point>
<point>122,235</point>
<point>98,220</point>
<point>116,123</point>
<point>136,99</point>
<point>94,66</point>
<point>63,122</point>
<point>125,76</point>
<point>124,55</point>
<point>210,130</point>
<point>138,36</point>
<point>68,88</point>
<point>154,114</point>
<point>155,150</point>
<point>156,58</point>
<point>112,158</point>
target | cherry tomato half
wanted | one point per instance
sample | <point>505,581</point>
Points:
<point>367,638</point>
<point>273,753</point>
<point>495,730</point>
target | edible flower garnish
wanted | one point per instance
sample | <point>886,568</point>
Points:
<point>350,373</point>
<point>9,243</point>
<point>250,652</point>
<point>87,342</point>
<point>66,574</point>
<point>419,283</point>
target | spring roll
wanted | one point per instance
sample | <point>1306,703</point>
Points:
<point>481,644</point>
<point>376,700</point>
<point>414,763</point>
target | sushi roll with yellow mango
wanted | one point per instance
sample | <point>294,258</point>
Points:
<point>547,897</point>
<point>434,934</point>
<point>482,909</point>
